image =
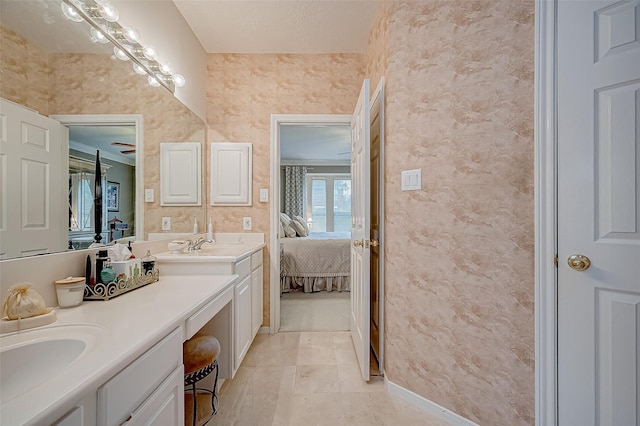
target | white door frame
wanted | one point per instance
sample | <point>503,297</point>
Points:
<point>276,121</point>
<point>119,119</point>
<point>545,181</point>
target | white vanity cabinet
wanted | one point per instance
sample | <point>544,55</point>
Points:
<point>256,292</point>
<point>242,309</point>
<point>247,291</point>
<point>248,304</point>
<point>148,391</point>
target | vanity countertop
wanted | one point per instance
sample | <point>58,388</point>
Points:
<point>130,324</point>
<point>214,253</point>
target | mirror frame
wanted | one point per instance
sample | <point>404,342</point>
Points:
<point>120,119</point>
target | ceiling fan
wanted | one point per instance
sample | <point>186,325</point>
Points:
<point>131,146</point>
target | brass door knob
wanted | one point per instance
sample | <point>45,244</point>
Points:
<point>579,262</point>
<point>357,243</point>
<point>375,243</point>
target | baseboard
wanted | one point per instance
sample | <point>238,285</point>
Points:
<point>264,330</point>
<point>429,406</point>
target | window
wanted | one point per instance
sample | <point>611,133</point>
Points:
<point>329,202</point>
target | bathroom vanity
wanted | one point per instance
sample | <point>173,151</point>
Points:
<point>128,366</point>
<point>226,258</point>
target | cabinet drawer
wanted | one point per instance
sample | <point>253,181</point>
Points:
<point>121,395</point>
<point>256,259</point>
<point>196,321</point>
<point>243,268</point>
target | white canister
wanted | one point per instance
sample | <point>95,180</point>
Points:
<point>70,291</point>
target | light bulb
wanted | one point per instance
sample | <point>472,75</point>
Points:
<point>178,80</point>
<point>120,54</point>
<point>98,36</point>
<point>108,12</point>
<point>153,81</point>
<point>150,53</point>
<point>138,69</point>
<point>131,34</point>
<point>165,69</point>
<point>70,13</point>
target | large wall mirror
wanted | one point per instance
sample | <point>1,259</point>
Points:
<point>52,66</point>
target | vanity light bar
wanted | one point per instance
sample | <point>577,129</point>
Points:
<point>141,56</point>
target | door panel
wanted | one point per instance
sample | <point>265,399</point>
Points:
<point>360,229</point>
<point>34,152</point>
<point>599,212</point>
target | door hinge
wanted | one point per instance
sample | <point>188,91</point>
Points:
<point>555,260</point>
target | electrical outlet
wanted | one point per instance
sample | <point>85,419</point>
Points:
<point>246,223</point>
<point>166,223</point>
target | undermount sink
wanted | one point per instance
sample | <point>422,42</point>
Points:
<point>31,358</point>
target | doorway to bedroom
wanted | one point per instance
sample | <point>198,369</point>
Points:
<point>315,226</point>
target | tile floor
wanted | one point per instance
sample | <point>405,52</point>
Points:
<point>309,378</point>
<point>322,311</point>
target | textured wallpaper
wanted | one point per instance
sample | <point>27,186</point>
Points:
<point>242,93</point>
<point>460,252</point>
<point>98,84</point>
<point>24,72</point>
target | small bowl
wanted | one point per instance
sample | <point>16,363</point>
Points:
<point>177,246</point>
<point>70,291</point>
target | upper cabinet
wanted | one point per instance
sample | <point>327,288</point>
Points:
<point>180,174</point>
<point>231,174</point>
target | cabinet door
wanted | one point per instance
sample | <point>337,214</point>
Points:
<point>180,174</point>
<point>242,319</point>
<point>231,174</point>
<point>256,300</point>
<point>165,407</point>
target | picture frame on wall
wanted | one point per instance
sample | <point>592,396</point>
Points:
<point>113,196</point>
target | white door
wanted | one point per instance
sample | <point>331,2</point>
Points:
<point>598,212</point>
<point>360,223</point>
<point>34,170</point>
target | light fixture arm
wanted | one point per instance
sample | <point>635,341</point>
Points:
<point>147,65</point>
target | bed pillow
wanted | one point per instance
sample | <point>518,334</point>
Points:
<point>300,230</point>
<point>303,223</point>
<point>285,221</point>
<point>281,234</point>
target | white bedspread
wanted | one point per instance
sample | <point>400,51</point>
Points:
<point>320,255</point>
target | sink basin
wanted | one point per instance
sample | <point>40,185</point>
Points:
<point>29,359</point>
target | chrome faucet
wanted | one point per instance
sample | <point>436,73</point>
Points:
<point>197,245</point>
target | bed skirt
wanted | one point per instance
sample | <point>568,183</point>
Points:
<point>315,284</point>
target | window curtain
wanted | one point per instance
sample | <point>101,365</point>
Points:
<point>295,190</point>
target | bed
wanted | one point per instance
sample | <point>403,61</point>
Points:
<point>319,262</point>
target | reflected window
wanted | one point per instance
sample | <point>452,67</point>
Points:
<point>81,183</point>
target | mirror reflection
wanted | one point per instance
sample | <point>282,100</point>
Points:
<point>117,146</point>
<point>50,65</point>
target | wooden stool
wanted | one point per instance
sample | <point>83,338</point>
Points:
<point>200,358</point>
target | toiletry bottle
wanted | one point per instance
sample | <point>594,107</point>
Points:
<point>148,262</point>
<point>210,230</point>
<point>101,258</point>
<point>195,225</point>
<point>107,274</point>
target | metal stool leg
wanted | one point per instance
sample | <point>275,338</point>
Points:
<point>214,397</point>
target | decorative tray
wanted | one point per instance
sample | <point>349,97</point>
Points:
<point>113,289</point>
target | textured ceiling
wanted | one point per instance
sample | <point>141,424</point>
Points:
<point>282,26</point>
<point>315,144</point>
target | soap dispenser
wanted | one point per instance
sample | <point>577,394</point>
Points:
<point>195,225</point>
<point>210,230</point>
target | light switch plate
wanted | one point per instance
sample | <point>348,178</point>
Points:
<point>412,180</point>
<point>148,195</point>
<point>264,195</point>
